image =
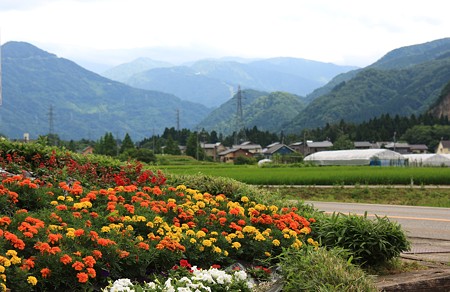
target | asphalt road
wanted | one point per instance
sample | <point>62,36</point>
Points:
<point>425,222</point>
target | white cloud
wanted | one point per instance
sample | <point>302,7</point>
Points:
<point>345,32</point>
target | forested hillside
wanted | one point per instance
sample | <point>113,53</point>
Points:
<point>83,104</point>
<point>378,89</point>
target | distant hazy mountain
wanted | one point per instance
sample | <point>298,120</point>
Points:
<point>214,81</point>
<point>405,81</point>
<point>267,111</point>
<point>123,72</point>
<point>84,104</point>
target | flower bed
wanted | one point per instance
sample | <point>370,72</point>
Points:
<point>113,223</point>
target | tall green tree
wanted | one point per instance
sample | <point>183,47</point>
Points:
<point>127,144</point>
<point>172,147</point>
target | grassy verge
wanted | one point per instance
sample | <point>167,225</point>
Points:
<point>431,197</point>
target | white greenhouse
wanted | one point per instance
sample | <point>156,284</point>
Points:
<point>381,157</point>
<point>428,159</point>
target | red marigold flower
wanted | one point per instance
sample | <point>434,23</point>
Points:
<point>143,245</point>
<point>45,272</point>
<point>61,207</point>
<point>82,277</point>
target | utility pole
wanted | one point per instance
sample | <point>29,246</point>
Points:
<point>51,129</point>
<point>178,119</point>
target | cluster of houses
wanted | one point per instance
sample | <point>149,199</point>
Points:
<point>218,152</point>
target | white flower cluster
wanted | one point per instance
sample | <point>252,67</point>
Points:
<point>200,281</point>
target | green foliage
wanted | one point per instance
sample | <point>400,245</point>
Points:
<point>370,241</point>
<point>322,270</point>
<point>241,160</point>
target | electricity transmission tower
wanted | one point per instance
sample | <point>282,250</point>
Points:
<point>51,136</point>
<point>240,131</point>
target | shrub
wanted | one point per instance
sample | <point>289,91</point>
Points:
<point>371,242</point>
<point>312,269</point>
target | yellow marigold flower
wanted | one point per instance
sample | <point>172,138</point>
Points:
<point>240,234</point>
<point>267,254</point>
<point>70,232</point>
<point>305,230</point>
<point>217,249</point>
<point>16,260</point>
<point>3,286</point>
<point>297,244</point>
<point>286,230</point>
<point>260,207</point>
<point>139,238</point>
<point>244,199</point>
<point>293,233</point>
<point>2,269</point>
<point>220,197</point>
<point>181,187</point>
<point>201,204</point>
<point>225,253</point>
<point>160,231</point>
<point>6,262</point>
<point>3,278</point>
<point>207,242</point>
<point>249,229</point>
<point>11,253</point>
<point>228,239</point>
<point>286,235</point>
<point>190,232</point>
<point>193,240</point>
<point>32,280</point>
<point>184,226</point>
<point>54,203</point>
<point>273,209</point>
<point>236,245</point>
<point>61,198</point>
<point>130,228</point>
<point>78,205</point>
<point>53,227</point>
<point>150,224</point>
<point>214,233</point>
<point>232,235</point>
<point>200,234</point>
<point>69,199</point>
<point>276,242</point>
<point>105,229</point>
<point>201,248</point>
<point>266,232</point>
<point>158,220</point>
<point>259,237</point>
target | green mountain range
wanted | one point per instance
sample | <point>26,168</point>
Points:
<point>214,81</point>
<point>405,81</point>
<point>45,94</point>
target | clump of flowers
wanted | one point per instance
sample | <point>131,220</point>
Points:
<point>78,234</point>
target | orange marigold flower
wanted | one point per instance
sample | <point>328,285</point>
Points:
<point>78,232</point>
<point>28,264</point>
<point>77,215</point>
<point>97,254</point>
<point>91,272</point>
<point>28,234</point>
<point>5,220</point>
<point>53,238</point>
<point>65,259</point>
<point>45,272</point>
<point>123,253</point>
<point>82,277</point>
<point>78,266</point>
<point>143,245</point>
<point>89,261</point>
<point>61,207</point>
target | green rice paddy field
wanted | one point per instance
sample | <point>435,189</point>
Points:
<point>329,175</point>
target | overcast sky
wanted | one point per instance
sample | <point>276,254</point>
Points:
<point>343,32</point>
